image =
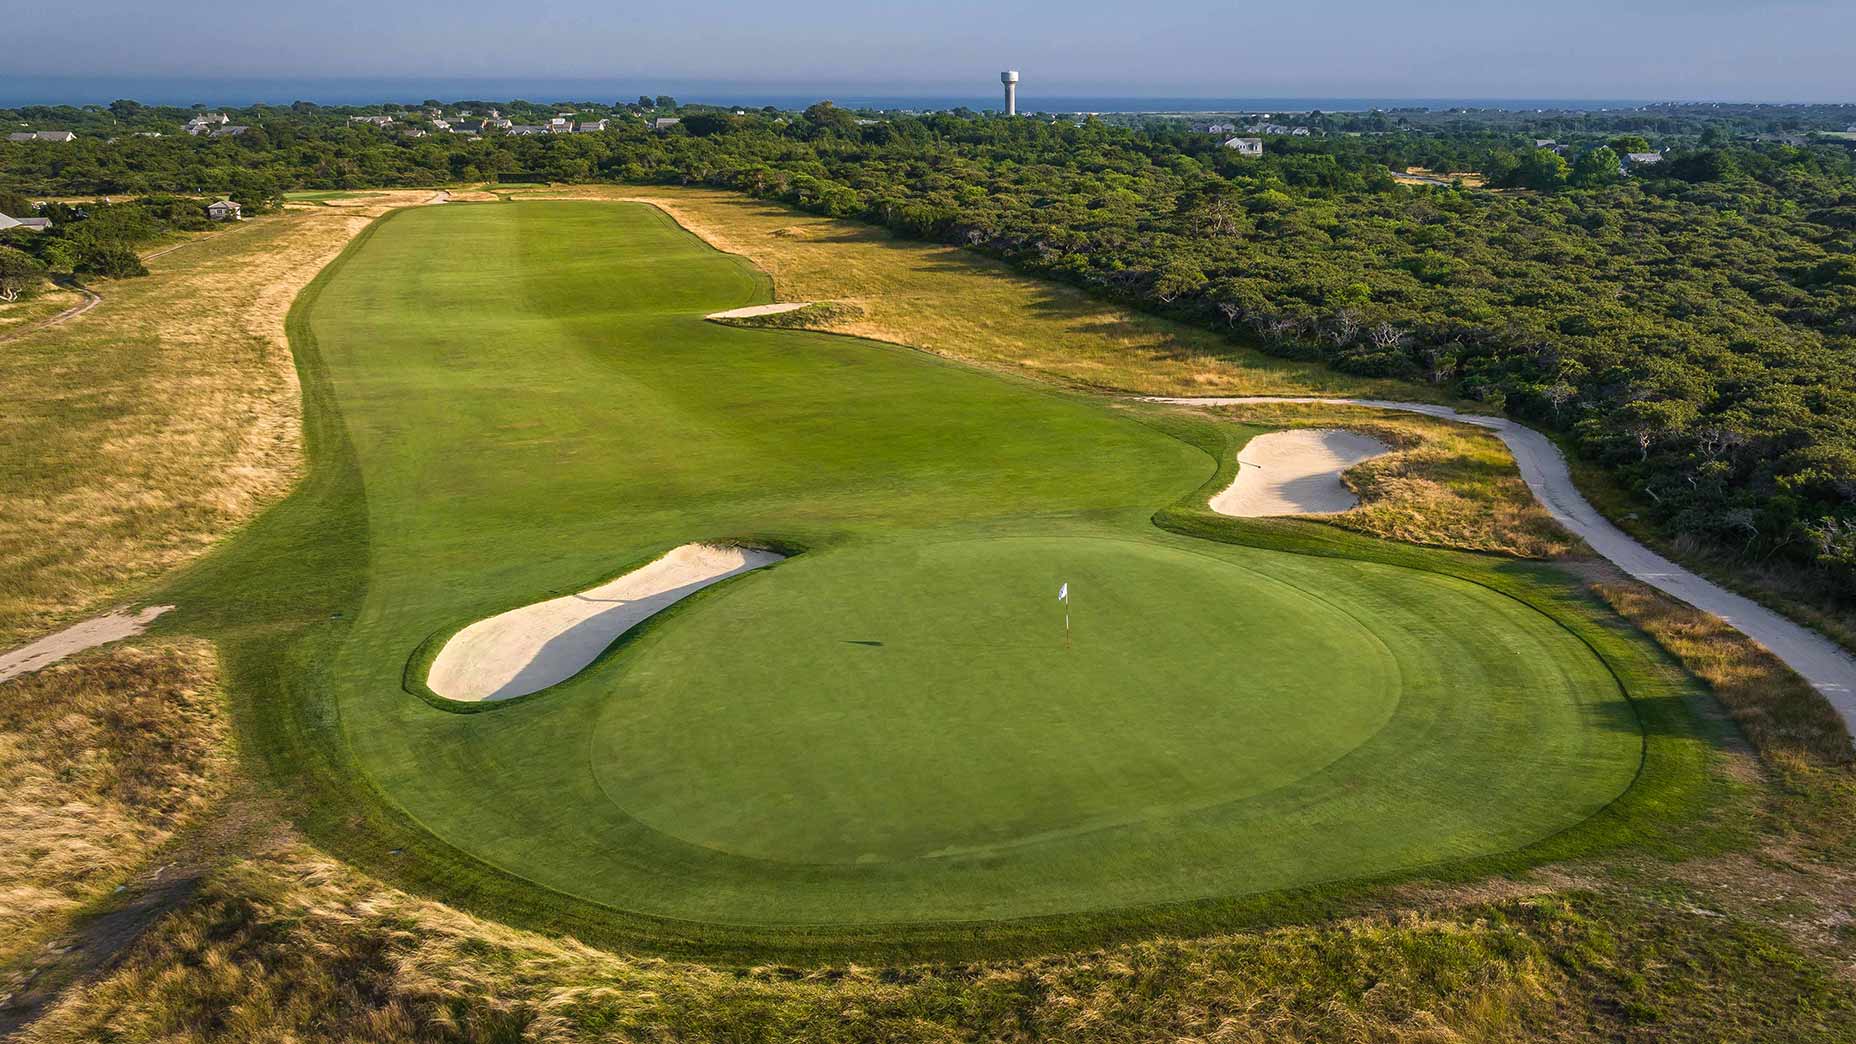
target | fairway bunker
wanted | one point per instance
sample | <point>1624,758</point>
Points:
<point>529,649</point>
<point>755,311</point>
<point>1296,472</point>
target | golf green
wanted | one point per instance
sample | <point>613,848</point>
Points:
<point>892,727</point>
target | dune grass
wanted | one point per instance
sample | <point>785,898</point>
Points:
<point>101,759</point>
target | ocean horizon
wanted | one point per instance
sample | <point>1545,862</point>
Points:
<point>18,91</point>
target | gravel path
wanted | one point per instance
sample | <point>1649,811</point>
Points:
<point>1817,659</point>
<point>98,630</point>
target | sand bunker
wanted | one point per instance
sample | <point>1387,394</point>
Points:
<point>528,649</point>
<point>100,630</point>
<point>1296,473</point>
<point>753,310</point>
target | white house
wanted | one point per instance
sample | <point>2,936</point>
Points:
<point>665,122</point>
<point>1642,159</point>
<point>590,126</point>
<point>224,210</point>
<point>1245,146</point>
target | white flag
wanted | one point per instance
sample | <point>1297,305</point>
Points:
<point>1063,593</point>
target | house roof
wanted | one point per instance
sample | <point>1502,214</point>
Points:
<point>224,204</point>
<point>1645,157</point>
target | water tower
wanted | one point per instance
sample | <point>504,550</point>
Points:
<point>1010,79</point>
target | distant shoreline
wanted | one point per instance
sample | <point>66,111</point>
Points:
<point>16,91</point>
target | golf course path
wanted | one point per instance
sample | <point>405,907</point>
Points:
<point>528,649</point>
<point>98,630</point>
<point>757,310</point>
<point>1296,472</point>
<point>1817,659</point>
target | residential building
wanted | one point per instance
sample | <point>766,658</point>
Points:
<point>30,224</point>
<point>42,136</point>
<point>1642,159</point>
<point>378,121</point>
<point>1245,146</point>
<point>590,126</point>
<point>525,129</point>
<point>224,210</point>
<point>230,130</point>
<point>665,122</point>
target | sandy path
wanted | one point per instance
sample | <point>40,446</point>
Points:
<point>91,300</point>
<point>528,649</point>
<point>753,310</point>
<point>1816,658</point>
<point>98,630</point>
<point>1296,472</point>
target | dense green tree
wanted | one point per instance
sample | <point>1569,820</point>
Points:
<point>21,274</point>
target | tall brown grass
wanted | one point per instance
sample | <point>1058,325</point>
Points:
<point>101,759</point>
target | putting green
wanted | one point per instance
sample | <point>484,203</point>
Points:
<point>515,401</point>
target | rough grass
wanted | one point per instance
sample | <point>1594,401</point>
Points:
<point>1444,484</point>
<point>139,433</point>
<point>959,304</point>
<point>101,758</point>
<point>1777,710</point>
<point>291,947</point>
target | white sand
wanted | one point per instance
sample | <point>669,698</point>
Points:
<point>753,310</point>
<point>528,649</point>
<point>1817,659</point>
<point>100,630</point>
<point>1296,473</point>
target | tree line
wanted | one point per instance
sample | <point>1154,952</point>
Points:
<point>1691,325</point>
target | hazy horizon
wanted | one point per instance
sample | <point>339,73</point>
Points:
<point>1588,50</point>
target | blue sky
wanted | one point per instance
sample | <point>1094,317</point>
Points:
<point>1648,49</point>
